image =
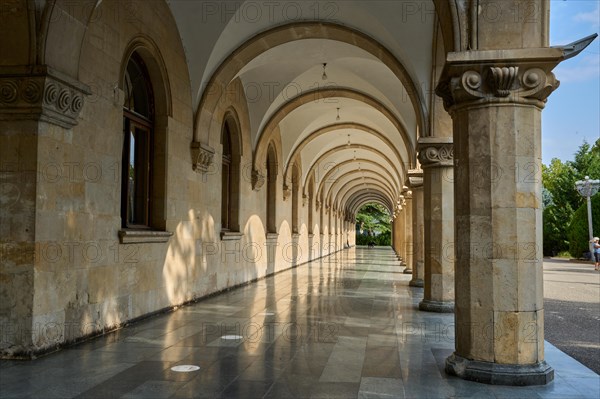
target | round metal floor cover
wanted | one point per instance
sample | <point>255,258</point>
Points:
<point>232,337</point>
<point>185,368</point>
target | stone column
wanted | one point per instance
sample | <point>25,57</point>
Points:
<point>408,230</point>
<point>38,109</point>
<point>415,178</point>
<point>496,105</point>
<point>436,158</point>
<point>398,233</point>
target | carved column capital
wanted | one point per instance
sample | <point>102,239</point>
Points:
<point>287,192</point>
<point>257,179</point>
<point>202,156</point>
<point>406,193</point>
<point>415,178</point>
<point>520,76</point>
<point>435,151</point>
<point>40,93</point>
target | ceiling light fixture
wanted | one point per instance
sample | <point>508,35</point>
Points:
<point>324,76</point>
<point>338,115</point>
<point>348,140</point>
<point>355,155</point>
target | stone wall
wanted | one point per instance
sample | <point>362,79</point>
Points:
<point>65,273</point>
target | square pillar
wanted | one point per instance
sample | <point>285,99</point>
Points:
<point>496,107</point>
<point>436,158</point>
<point>407,242</point>
<point>415,179</point>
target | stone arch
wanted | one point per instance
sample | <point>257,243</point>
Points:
<point>295,153</point>
<point>149,52</point>
<point>343,196</point>
<point>18,19</point>
<point>268,130</point>
<point>372,175</point>
<point>358,199</point>
<point>361,200</point>
<point>359,160</point>
<point>229,68</point>
<point>332,151</point>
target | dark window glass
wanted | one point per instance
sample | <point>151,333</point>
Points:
<point>137,147</point>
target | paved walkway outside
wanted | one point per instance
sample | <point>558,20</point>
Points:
<point>340,327</point>
<point>572,309</point>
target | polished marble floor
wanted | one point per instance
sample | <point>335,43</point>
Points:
<point>346,326</point>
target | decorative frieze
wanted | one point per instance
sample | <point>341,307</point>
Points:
<point>40,93</point>
<point>202,156</point>
<point>435,151</point>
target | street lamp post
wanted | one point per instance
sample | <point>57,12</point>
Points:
<point>588,188</point>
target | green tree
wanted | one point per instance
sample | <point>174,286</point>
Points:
<point>578,228</point>
<point>560,198</point>
<point>375,222</point>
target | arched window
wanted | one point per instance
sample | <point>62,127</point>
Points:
<point>230,177</point>
<point>271,190</point>
<point>311,197</point>
<point>138,127</point>
<point>295,185</point>
<point>226,179</point>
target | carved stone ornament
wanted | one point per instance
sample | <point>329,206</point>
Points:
<point>434,151</point>
<point>500,84</point>
<point>258,179</point>
<point>305,199</point>
<point>40,93</point>
<point>522,76</point>
<point>287,192</point>
<point>415,178</point>
<point>202,157</point>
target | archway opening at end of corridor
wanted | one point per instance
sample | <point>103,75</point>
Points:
<point>373,225</point>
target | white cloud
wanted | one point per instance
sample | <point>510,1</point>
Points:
<point>591,17</point>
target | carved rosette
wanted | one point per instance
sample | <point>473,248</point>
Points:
<point>435,153</point>
<point>258,179</point>
<point>40,93</point>
<point>473,78</point>
<point>202,157</point>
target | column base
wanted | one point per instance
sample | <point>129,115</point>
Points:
<point>436,306</point>
<point>416,282</point>
<point>408,270</point>
<point>499,374</point>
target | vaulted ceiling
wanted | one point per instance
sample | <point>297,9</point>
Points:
<point>378,57</point>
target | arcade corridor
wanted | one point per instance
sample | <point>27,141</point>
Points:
<point>344,326</point>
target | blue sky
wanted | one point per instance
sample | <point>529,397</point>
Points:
<point>572,113</point>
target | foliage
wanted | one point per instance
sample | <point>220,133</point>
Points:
<point>578,228</point>
<point>381,239</point>
<point>560,199</point>
<point>375,223</point>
